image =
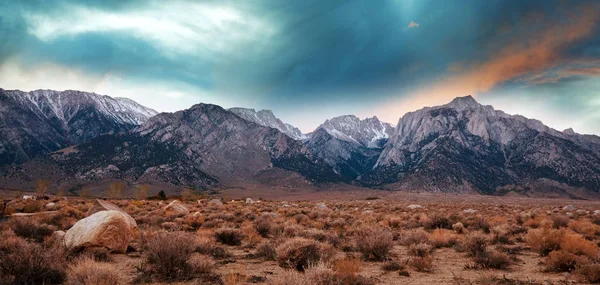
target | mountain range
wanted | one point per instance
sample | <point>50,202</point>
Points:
<point>76,138</point>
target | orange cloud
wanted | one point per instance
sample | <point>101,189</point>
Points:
<point>412,24</point>
<point>538,50</point>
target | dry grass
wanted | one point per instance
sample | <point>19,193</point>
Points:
<point>544,241</point>
<point>22,262</point>
<point>299,253</point>
<point>350,242</point>
<point>169,256</point>
<point>87,271</point>
<point>375,244</point>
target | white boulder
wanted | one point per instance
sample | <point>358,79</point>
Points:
<point>108,229</point>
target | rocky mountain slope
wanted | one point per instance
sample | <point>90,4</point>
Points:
<point>465,146</point>
<point>42,121</point>
<point>349,145</point>
<point>196,147</point>
<point>369,132</point>
<point>462,146</point>
<point>267,118</point>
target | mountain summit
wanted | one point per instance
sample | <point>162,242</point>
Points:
<point>465,146</point>
<point>42,121</point>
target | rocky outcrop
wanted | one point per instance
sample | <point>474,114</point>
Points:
<point>176,208</point>
<point>108,229</point>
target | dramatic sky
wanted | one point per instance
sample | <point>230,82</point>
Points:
<point>310,60</point>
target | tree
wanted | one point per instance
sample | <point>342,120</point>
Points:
<point>162,195</point>
<point>41,187</point>
<point>60,193</point>
<point>84,193</point>
<point>141,192</point>
<point>187,194</point>
<point>115,190</point>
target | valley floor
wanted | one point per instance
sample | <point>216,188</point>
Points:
<point>340,236</point>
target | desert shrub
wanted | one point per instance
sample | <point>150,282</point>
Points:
<point>201,264</point>
<point>438,221</point>
<point>395,222</point>
<point>87,271</point>
<point>595,219</point>
<point>266,251</point>
<point>290,277</point>
<point>475,244</point>
<point>31,229</point>
<point>576,244</point>
<point>481,224</point>
<point>422,264</point>
<point>560,261</point>
<point>496,260</point>
<point>169,256</point>
<point>323,275</point>
<point>392,266</point>
<point>560,221</point>
<point>99,254</point>
<point>544,241</point>
<point>585,227</point>
<point>501,234</point>
<point>33,207</point>
<point>375,244</point>
<point>22,262</point>
<point>459,228</point>
<point>415,236</point>
<point>442,238</point>
<point>589,272</point>
<point>299,253</point>
<point>347,267</point>
<point>420,250</point>
<point>206,246</point>
<point>229,236</point>
<point>263,226</point>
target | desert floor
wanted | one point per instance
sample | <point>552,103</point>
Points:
<point>313,237</point>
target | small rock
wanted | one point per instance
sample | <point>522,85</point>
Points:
<point>368,212</point>
<point>50,206</point>
<point>469,211</point>
<point>28,197</point>
<point>413,206</point>
<point>249,201</point>
<point>597,212</point>
<point>215,202</point>
<point>321,206</point>
<point>58,235</point>
<point>177,208</point>
<point>197,214</point>
<point>569,208</point>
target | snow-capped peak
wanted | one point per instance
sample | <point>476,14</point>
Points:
<point>267,118</point>
<point>368,132</point>
<point>66,104</point>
